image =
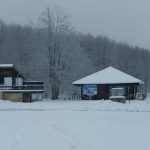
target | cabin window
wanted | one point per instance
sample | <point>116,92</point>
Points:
<point>120,91</point>
<point>1,80</point>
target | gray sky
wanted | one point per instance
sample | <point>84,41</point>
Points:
<point>122,20</point>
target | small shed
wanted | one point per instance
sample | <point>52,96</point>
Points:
<point>100,84</point>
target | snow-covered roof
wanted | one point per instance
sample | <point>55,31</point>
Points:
<point>6,65</point>
<point>10,66</point>
<point>109,75</point>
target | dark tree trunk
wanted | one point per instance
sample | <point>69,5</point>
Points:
<point>54,87</point>
<point>55,92</point>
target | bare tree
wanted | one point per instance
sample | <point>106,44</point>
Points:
<point>2,32</point>
<point>24,48</point>
<point>55,25</point>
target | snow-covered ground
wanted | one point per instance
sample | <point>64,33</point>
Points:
<point>75,125</point>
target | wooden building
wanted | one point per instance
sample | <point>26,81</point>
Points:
<point>14,87</point>
<point>102,84</point>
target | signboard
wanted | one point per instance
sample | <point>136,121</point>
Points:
<point>90,90</point>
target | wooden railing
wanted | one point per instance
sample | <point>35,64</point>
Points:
<point>23,87</point>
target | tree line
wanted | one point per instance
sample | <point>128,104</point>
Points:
<point>53,52</point>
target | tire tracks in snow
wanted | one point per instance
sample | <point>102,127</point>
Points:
<point>16,142</point>
<point>72,144</point>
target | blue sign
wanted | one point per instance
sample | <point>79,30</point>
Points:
<point>90,90</point>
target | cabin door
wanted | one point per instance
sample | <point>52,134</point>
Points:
<point>103,92</point>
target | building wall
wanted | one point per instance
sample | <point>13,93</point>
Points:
<point>31,97</point>
<point>15,97</point>
<point>103,91</point>
<point>26,98</point>
<point>19,81</point>
<point>21,97</point>
<point>1,95</point>
<point>36,96</point>
<point>7,81</point>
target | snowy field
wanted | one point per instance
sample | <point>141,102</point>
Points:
<point>75,125</point>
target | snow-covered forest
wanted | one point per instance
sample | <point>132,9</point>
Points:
<point>78,54</point>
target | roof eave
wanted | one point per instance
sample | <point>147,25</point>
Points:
<point>77,84</point>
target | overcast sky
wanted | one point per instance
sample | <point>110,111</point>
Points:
<point>122,20</point>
